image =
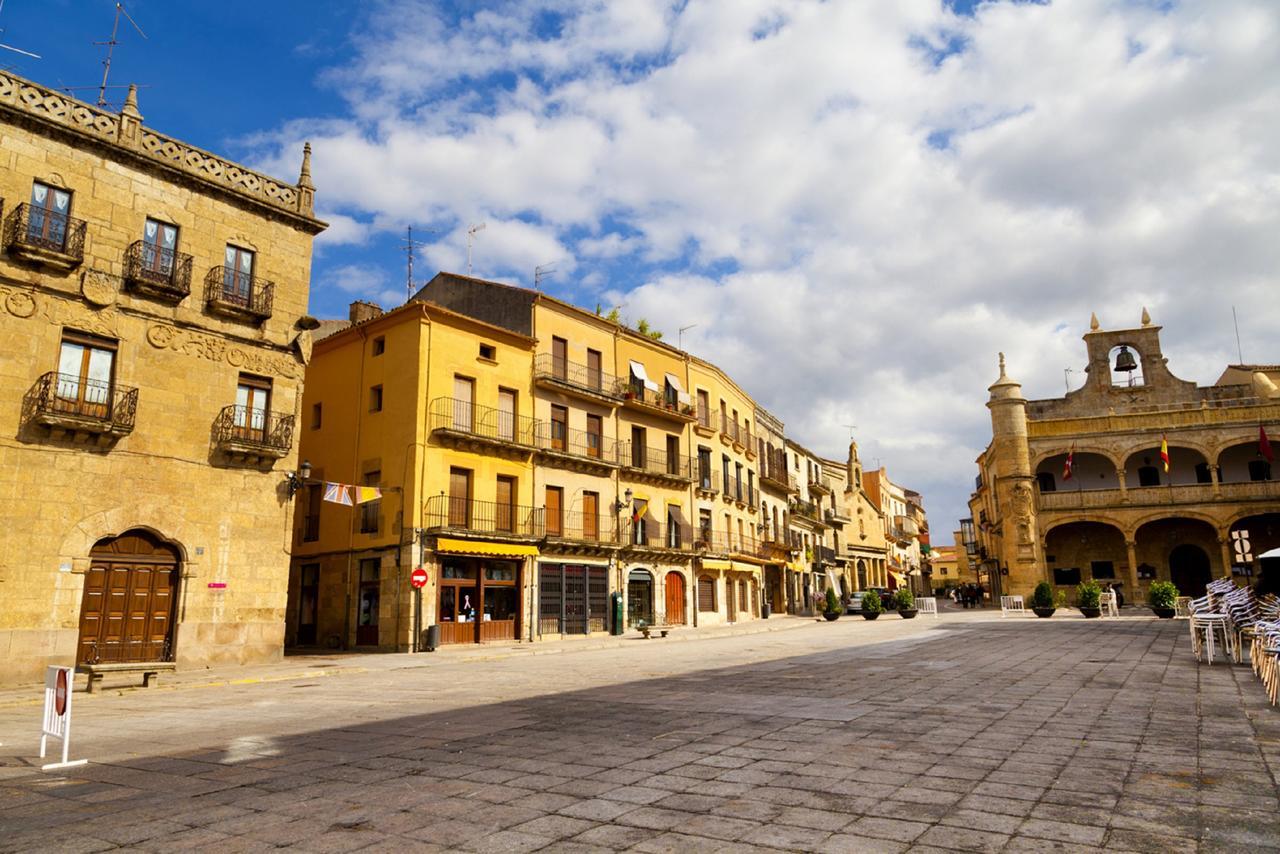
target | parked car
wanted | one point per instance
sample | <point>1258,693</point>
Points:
<point>855,599</point>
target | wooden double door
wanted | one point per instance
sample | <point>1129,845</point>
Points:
<point>127,611</point>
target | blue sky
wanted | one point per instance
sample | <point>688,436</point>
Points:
<point>854,205</point>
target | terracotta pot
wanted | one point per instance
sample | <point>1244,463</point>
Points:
<point>908,613</point>
<point>1044,612</point>
<point>1164,613</point>
<point>867,616</point>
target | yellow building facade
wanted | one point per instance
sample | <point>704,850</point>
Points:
<point>153,299</point>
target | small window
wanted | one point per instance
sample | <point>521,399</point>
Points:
<point>488,352</point>
<point>311,522</point>
<point>371,511</point>
<point>1046,481</point>
<point>379,345</point>
<point>375,399</point>
<point>317,416</point>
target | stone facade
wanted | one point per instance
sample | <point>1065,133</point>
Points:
<point>137,436</point>
<point>1122,516</point>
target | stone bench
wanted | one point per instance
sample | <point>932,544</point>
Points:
<point>150,670</point>
<point>661,630</point>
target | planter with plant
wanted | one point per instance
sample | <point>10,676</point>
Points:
<point>1042,600</point>
<point>1162,596</point>
<point>1088,595</point>
<point>871,605</point>
<point>831,608</point>
<point>905,603</point>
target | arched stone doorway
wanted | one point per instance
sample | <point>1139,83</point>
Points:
<point>128,607</point>
<point>639,596</point>
<point>1189,569</point>
<point>675,599</point>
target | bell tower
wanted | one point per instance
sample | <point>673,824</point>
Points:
<point>1014,487</point>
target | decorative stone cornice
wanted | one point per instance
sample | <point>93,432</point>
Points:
<point>124,132</point>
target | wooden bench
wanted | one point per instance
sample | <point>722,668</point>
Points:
<point>661,630</point>
<point>149,669</point>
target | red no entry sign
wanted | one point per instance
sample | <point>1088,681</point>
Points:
<point>418,578</point>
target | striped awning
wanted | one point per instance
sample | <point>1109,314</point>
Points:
<point>899,577</point>
<point>450,545</point>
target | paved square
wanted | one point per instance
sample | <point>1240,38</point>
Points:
<point>967,733</point>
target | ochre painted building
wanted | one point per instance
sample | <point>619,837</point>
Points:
<point>152,305</point>
<point>1121,517</point>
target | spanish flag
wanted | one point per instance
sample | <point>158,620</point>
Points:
<point>1164,453</point>
<point>1066,469</point>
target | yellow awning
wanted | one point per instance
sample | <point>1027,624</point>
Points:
<point>739,566</point>
<point>476,547</point>
<point>715,563</point>
<point>898,577</point>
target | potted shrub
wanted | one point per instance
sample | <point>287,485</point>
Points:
<point>831,608</point>
<point>871,605</point>
<point>905,603</point>
<point>1042,600</point>
<point>1162,596</point>
<point>1087,597</point>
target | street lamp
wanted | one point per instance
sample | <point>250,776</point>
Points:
<point>625,502</point>
<point>293,481</point>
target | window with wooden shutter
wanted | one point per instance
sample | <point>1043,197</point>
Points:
<point>555,515</point>
<point>706,594</point>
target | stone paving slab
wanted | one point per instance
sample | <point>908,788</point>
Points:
<point>959,734</point>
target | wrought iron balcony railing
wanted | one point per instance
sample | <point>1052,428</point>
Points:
<point>229,291</point>
<point>555,438</point>
<point>637,394</point>
<point>158,271</point>
<point>776,474</point>
<point>244,429</point>
<point>657,535</point>
<point>655,461</point>
<point>804,508</point>
<point>727,542</point>
<point>29,228</point>
<point>580,377</point>
<point>73,402</point>
<point>706,480</point>
<point>465,418</point>
<point>582,527</point>
<point>703,416</point>
<point>446,512</point>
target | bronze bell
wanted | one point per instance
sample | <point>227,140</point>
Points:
<point>1125,361</point>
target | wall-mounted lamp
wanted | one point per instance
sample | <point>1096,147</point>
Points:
<point>293,481</point>
<point>625,502</point>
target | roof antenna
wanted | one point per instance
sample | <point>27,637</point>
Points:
<point>851,427</point>
<point>471,233</point>
<point>407,246</point>
<point>540,272</point>
<point>1236,321</point>
<point>682,331</point>
<point>16,49</point>
<point>111,46</point>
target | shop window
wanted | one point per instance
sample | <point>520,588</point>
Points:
<point>707,594</point>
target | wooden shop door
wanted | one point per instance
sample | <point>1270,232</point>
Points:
<point>126,613</point>
<point>675,599</point>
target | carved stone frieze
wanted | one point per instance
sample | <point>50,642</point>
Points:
<point>197,344</point>
<point>99,288</point>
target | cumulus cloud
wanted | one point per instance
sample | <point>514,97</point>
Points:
<point>857,204</point>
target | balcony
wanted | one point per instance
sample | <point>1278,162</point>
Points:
<point>643,399</point>
<point>824,555</point>
<point>1161,496</point>
<point>706,484</point>
<point>732,545</point>
<point>806,510</point>
<point>702,424</point>
<point>481,428</point>
<point>233,294</point>
<point>581,533</point>
<point>159,273</point>
<point>44,237</point>
<point>576,450</point>
<point>465,517</point>
<point>253,436</point>
<point>820,483</point>
<point>653,464</point>
<point>572,378</point>
<point>738,491</point>
<point>748,442</point>
<point>907,525</point>
<point>837,515</point>
<point>779,478</point>
<point>71,405</point>
<point>729,431</point>
<point>656,536</point>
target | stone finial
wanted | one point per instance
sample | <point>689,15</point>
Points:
<point>1001,364</point>
<point>1146,318</point>
<point>130,108</point>
<point>129,131</point>
<point>304,177</point>
<point>1094,325</point>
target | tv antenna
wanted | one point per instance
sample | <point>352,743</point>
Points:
<point>851,427</point>
<point>11,47</point>
<point>540,272</point>
<point>111,46</point>
<point>682,331</point>
<point>407,247</point>
<point>471,235</point>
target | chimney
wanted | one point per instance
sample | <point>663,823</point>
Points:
<point>362,311</point>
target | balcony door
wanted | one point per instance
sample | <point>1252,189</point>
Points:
<point>506,414</point>
<point>464,390</point>
<point>560,358</point>
<point>237,276</point>
<point>85,371</point>
<point>50,208</point>
<point>159,243</point>
<point>459,498</point>
<point>559,427</point>
<point>505,509</point>
<point>253,397</point>
<point>555,511</point>
<point>595,374</point>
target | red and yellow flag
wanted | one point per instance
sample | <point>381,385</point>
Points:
<point>1067,468</point>
<point>1164,453</point>
<point>1264,445</point>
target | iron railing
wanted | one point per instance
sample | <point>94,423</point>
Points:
<point>549,367</point>
<point>727,542</point>
<point>29,226</point>
<point>447,512</point>
<point>655,461</point>
<point>101,403</point>
<point>705,478</point>
<point>635,392</point>
<point>703,415</point>
<point>128,650</point>
<point>229,286</point>
<point>556,438</point>
<point>156,268</point>
<point>804,508</point>
<point>658,535</point>
<point>735,487</point>
<point>484,422</point>
<point>244,425</point>
<point>582,527</point>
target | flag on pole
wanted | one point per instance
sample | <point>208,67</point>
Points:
<point>366,493</point>
<point>1067,469</point>
<point>1164,453</point>
<point>337,493</point>
<point>1264,445</point>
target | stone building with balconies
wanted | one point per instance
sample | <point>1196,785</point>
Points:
<point>153,302</point>
<point>1136,476</point>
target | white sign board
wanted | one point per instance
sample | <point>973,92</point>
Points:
<point>58,682</point>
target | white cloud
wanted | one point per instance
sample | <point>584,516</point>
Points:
<point>1102,155</point>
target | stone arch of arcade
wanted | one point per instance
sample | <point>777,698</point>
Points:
<point>1242,463</point>
<point>1077,550</point>
<point>1187,465</point>
<point>1187,550</point>
<point>1090,469</point>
